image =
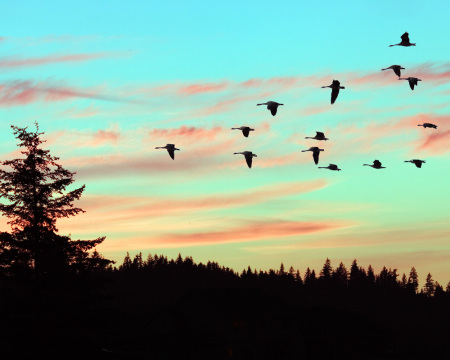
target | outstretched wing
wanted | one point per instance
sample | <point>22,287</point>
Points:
<point>418,163</point>
<point>273,109</point>
<point>171,153</point>
<point>316,156</point>
<point>334,95</point>
<point>246,131</point>
<point>411,84</point>
<point>249,159</point>
<point>405,37</point>
<point>396,71</point>
<point>320,134</point>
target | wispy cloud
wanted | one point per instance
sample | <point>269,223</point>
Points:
<point>252,231</point>
<point>15,62</point>
<point>19,93</point>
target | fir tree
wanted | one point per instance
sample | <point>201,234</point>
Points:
<point>430,286</point>
<point>326,271</point>
<point>413,280</point>
<point>36,197</point>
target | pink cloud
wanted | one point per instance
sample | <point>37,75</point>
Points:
<point>252,231</point>
<point>202,88</point>
<point>437,143</point>
<point>53,59</point>
<point>192,133</point>
<point>25,92</point>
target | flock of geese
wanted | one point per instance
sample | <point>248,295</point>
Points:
<point>335,86</point>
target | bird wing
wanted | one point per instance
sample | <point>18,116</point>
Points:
<point>249,159</point>
<point>273,109</point>
<point>418,163</point>
<point>316,156</point>
<point>396,71</point>
<point>171,152</point>
<point>376,163</point>
<point>411,84</point>
<point>405,37</point>
<point>320,134</point>
<point>334,95</point>
<point>246,132</point>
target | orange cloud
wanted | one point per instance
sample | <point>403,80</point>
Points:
<point>253,231</point>
<point>114,211</point>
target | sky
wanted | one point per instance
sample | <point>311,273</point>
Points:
<point>108,81</point>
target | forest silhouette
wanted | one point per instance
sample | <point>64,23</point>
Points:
<point>60,298</point>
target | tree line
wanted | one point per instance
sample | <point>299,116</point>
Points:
<point>354,278</point>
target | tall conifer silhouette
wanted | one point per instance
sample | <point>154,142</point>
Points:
<point>36,196</point>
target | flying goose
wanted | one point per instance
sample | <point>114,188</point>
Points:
<point>319,136</point>
<point>418,163</point>
<point>425,125</point>
<point>412,81</point>
<point>335,86</point>
<point>316,152</point>
<point>376,165</point>
<point>170,149</point>
<point>245,130</point>
<point>248,157</point>
<point>272,106</point>
<point>405,41</point>
<point>396,69</point>
<point>331,167</point>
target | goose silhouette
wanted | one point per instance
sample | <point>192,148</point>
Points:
<point>316,152</point>
<point>416,162</point>
<point>405,41</point>
<point>330,167</point>
<point>170,149</point>
<point>248,157</point>
<point>272,106</point>
<point>245,130</point>
<point>412,81</point>
<point>376,165</point>
<point>396,69</point>
<point>319,136</point>
<point>335,86</point>
<point>425,125</point>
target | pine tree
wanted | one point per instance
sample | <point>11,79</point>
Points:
<point>370,275</point>
<point>430,286</point>
<point>340,274</point>
<point>413,280</point>
<point>326,271</point>
<point>36,197</point>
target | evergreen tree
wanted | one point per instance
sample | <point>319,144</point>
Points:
<point>430,286</point>
<point>447,289</point>
<point>413,280</point>
<point>370,275</point>
<point>281,272</point>
<point>127,263</point>
<point>326,271</point>
<point>340,274</point>
<point>36,196</point>
<point>291,272</point>
<point>298,277</point>
<point>404,281</point>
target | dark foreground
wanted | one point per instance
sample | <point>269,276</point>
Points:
<point>189,312</point>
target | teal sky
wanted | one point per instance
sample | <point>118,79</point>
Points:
<point>109,81</point>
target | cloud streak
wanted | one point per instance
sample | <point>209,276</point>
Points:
<point>12,62</point>
<point>20,93</point>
